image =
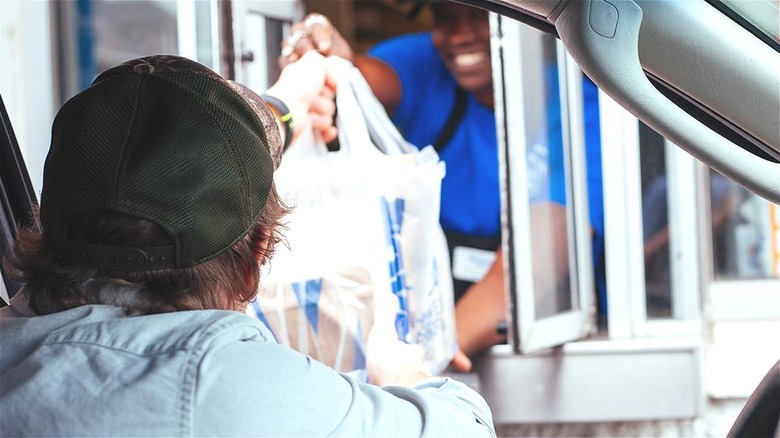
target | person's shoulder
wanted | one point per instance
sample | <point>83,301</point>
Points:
<point>206,328</point>
<point>414,42</point>
<point>167,332</point>
<point>416,61</point>
<point>421,38</point>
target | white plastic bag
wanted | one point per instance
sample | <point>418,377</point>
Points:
<point>423,249</point>
<point>365,283</point>
<point>319,294</point>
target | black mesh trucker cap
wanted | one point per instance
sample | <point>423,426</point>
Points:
<point>178,147</point>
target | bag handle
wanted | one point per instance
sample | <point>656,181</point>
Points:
<point>381,129</point>
<point>354,138</point>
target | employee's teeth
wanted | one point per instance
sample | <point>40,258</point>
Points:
<point>468,59</point>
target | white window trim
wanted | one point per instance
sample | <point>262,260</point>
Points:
<point>186,29</point>
<point>577,192</point>
<point>249,36</point>
<point>527,333</point>
<point>625,269</point>
<point>742,300</point>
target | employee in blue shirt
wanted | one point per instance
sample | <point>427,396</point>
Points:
<point>437,87</point>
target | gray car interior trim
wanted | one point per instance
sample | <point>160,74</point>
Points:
<point>615,41</point>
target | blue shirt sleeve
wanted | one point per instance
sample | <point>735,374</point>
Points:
<point>470,197</point>
<point>427,87</point>
<point>412,57</point>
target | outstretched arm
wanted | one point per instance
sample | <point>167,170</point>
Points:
<point>316,33</point>
<point>307,88</point>
<point>481,308</point>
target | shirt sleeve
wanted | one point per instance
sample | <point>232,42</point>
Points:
<point>412,57</point>
<point>258,388</point>
<point>409,55</point>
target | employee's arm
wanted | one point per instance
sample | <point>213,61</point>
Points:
<point>483,306</point>
<point>317,33</point>
<point>481,309</point>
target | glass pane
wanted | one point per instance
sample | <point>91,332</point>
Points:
<point>745,232</point>
<point>547,179</point>
<point>534,132</point>
<point>203,25</point>
<point>130,29</point>
<point>274,32</point>
<point>655,221</point>
<point>760,13</point>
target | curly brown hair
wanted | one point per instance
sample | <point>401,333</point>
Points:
<point>229,281</point>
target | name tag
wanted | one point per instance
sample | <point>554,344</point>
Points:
<point>471,264</point>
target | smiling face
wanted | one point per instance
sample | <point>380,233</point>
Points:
<point>461,35</point>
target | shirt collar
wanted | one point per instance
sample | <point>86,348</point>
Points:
<point>21,303</point>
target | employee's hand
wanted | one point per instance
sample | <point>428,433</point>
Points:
<point>314,33</point>
<point>460,362</point>
<point>308,88</point>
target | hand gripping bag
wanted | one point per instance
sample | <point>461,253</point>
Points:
<point>364,285</point>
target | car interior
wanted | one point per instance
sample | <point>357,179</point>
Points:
<point>668,96</point>
<point>701,113</point>
<point>16,195</point>
<point>714,126</point>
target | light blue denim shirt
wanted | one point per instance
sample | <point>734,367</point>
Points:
<point>94,371</point>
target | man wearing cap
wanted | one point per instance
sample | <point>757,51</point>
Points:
<point>158,209</point>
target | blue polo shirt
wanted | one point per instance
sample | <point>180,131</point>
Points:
<point>470,202</point>
<point>470,198</point>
